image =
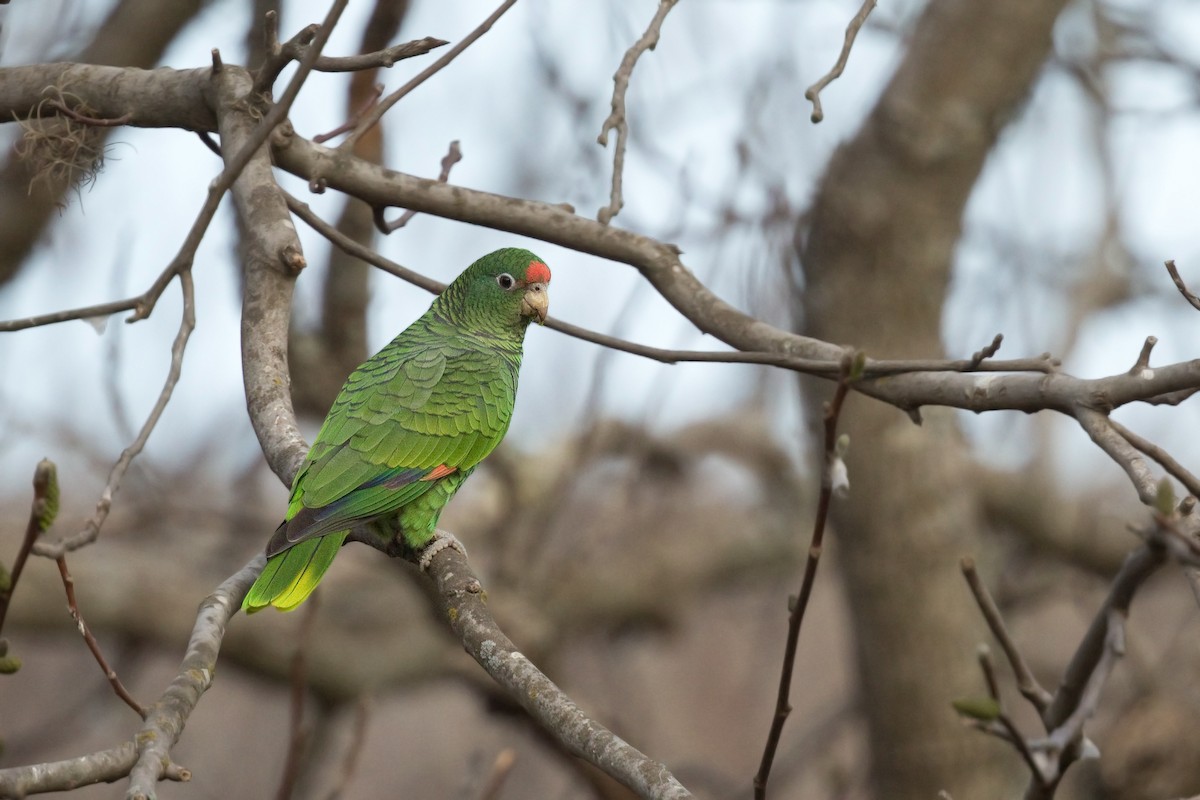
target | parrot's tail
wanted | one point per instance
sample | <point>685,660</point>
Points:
<point>291,576</point>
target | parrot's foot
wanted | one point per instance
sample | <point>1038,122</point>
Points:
<point>441,540</point>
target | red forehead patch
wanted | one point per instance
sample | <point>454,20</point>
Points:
<point>537,272</point>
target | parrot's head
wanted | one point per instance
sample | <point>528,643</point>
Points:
<point>504,290</point>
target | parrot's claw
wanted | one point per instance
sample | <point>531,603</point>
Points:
<point>441,540</point>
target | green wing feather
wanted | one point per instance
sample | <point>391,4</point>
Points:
<point>431,398</point>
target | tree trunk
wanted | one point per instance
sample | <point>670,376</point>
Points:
<point>876,263</point>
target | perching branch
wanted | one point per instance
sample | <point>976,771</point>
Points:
<point>461,599</point>
<point>658,262</point>
<point>617,119</point>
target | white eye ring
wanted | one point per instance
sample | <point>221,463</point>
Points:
<point>505,281</point>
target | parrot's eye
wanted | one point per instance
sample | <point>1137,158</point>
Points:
<point>505,280</point>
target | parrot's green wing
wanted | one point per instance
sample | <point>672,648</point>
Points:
<point>406,418</point>
<point>412,416</point>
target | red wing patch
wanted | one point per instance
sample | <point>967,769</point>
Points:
<point>440,471</point>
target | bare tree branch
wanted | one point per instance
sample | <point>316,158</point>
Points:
<point>813,94</point>
<point>1181,286</point>
<point>380,59</point>
<point>376,114</point>
<point>1164,459</point>
<point>1026,682</point>
<point>461,599</point>
<point>91,528</point>
<point>618,120</point>
<point>90,640</point>
<point>105,766</point>
<point>832,481</point>
<point>165,720</point>
<point>42,512</point>
<point>452,157</point>
<point>25,210</point>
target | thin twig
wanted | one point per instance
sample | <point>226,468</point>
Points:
<point>91,528</point>
<point>95,122</point>
<point>299,733</point>
<point>42,512</point>
<point>1143,359</point>
<point>1164,459</point>
<point>372,119</point>
<point>813,94</point>
<point>871,369</point>
<point>278,56</point>
<point>799,604</point>
<point>1026,682</point>
<point>296,48</point>
<point>1179,284</point>
<point>372,98</point>
<point>92,644</point>
<point>502,765</point>
<point>86,312</point>
<point>617,119</point>
<point>452,157</point>
<point>1009,731</point>
<point>987,352</point>
<point>1138,567</point>
<point>380,58</point>
<point>353,749</point>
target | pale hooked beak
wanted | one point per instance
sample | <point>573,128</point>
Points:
<point>536,302</point>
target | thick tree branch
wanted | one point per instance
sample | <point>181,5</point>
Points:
<point>658,262</point>
<point>25,209</point>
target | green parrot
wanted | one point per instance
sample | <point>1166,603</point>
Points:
<point>408,427</point>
